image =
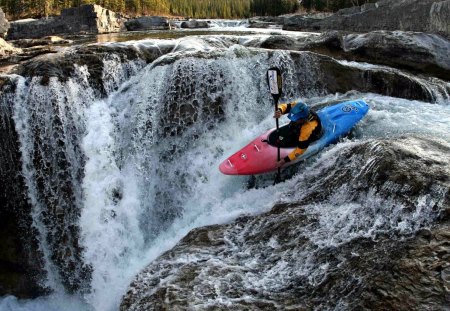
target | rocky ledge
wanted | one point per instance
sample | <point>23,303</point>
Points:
<point>89,18</point>
<point>417,52</point>
<point>408,15</point>
<point>338,245</point>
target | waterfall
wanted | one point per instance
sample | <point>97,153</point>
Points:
<point>116,180</point>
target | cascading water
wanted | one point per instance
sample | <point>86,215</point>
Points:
<point>116,181</point>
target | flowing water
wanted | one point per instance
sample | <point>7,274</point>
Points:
<point>134,172</point>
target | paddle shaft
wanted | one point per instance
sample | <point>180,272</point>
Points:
<point>278,135</point>
<point>275,82</point>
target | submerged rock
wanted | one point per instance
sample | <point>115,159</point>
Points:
<point>369,230</point>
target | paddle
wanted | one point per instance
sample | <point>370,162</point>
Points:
<point>275,87</point>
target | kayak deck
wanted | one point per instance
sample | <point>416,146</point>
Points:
<point>259,157</point>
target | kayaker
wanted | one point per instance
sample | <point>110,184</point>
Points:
<point>305,125</point>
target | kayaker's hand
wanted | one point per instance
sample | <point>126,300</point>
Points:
<point>280,163</point>
<point>277,114</point>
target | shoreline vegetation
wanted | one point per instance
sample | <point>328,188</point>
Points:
<point>22,9</point>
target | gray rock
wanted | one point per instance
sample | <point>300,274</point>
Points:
<point>417,52</point>
<point>195,24</point>
<point>84,19</point>
<point>4,24</point>
<point>50,40</point>
<point>147,23</point>
<point>300,22</point>
<point>350,10</point>
<point>20,257</point>
<point>6,49</point>
<point>406,15</point>
<point>266,21</point>
<point>440,17</point>
<point>299,257</point>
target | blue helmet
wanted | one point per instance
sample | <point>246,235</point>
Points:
<point>299,111</point>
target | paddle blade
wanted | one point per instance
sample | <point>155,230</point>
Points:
<point>275,82</point>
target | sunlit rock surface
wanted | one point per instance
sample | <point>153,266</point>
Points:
<point>406,15</point>
<point>414,51</point>
<point>147,23</point>
<point>89,18</point>
<point>4,24</point>
<point>367,228</point>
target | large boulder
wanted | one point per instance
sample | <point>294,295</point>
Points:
<point>4,24</point>
<point>337,244</point>
<point>147,23</point>
<point>407,15</point>
<point>91,19</point>
<point>45,41</point>
<point>195,24</point>
<point>6,49</point>
<point>440,17</point>
<point>417,52</point>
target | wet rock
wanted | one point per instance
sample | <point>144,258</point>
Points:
<point>20,258</point>
<point>326,75</point>
<point>4,24</point>
<point>416,52</point>
<point>50,40</point>
<point>62,65</point>
<point>147,23</point>
<point>7,50</point>
<point>439,17</point>
<point>364,231</point>
<point>195,24</point>
<point>89,18</point>
<point>266,22</point>
<point>406,15</point>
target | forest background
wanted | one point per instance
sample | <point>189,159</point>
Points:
<point>19,9</point>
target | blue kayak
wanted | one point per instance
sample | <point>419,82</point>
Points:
<point>260,155</point>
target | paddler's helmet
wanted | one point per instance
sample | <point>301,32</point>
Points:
<point>299,111</point>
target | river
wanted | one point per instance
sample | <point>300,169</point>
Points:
<point>144,172</point>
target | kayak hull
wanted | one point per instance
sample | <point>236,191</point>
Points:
<point>259,157</point>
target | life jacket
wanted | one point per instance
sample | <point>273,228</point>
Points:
<point>290,133</point>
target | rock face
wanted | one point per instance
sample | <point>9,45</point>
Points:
<point>414,51</point>
<point>194,24</point>
<point>20,258</point>
<point>84,19</point>
<point>440,16</point>
<point>50,40</point>
<point>4,24</point>
<point>407,15</point>
<point>385,248</point>
<point>6,49</point>
<point>147,23</point>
